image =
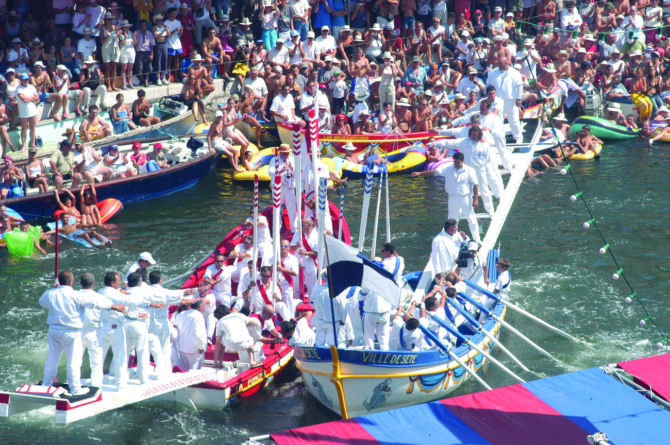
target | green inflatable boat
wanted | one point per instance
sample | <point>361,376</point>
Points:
<point>603,129</point>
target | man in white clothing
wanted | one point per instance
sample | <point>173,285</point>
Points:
<point>137,328</point>
<point>263,237</point>
<point>445,247</point>
<point>393,262</point>
<point>209,302</point>
<point>502,283</point>
<point>192,339</point>
<point>90,332</point>
<point>283,107</point>
<point>113,330</point>
<point>145,260</point>
<point>405,334</point>
<point>509,87</point>
<point>242,254</point>
<point>297,330</point>
<point>287,273</point>
<point>461,186</point>
<point>307,247</point>
<point>160,323</point>
<point>571,20</point>
<point>232,334</point>
<point>323,320</point>
<point>65,323</point>
<point>470,83</point>
<point>259,293</point>
<point>219,276</point>
<point>376,319</point>
<point>285,168</point>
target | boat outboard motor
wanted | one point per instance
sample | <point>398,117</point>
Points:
<point>593,101</point>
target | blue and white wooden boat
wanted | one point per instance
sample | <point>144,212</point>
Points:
<point>354,382</point>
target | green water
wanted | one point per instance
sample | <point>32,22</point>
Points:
<point>557,274</point>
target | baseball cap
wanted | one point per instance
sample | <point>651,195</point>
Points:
<point>146,256</point>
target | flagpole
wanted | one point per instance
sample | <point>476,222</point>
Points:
<point>276,232</point>
<point>376,226</point>
<point>339,229</point>
<point>254,255</point>
<point>388,211</point>
<point>330,290</point>
<point>323,188</point>
<point>366,206</point>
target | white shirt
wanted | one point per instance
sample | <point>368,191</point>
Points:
<point>65,306</point>
<point>158,294</point>
<point>306,99</point>
<point>303,334</point>
<point>17,55</point>
<point>233,328</point>
<point>444,251</point>
<point>465,86</point>
<point>327,44</point>
<point>258,87</point>
<point>411,340</point>
<point>283,105</point>
<point>91,316</point>
<point>439,31</point>
<point>300,8</point>
<point>636,22</point>
<point>96,13</point>
<point>374,303</point>
<point>174,41</point>
<point>287,175</point>
<point>457,182</point>
<point>390,265</point>
<point>222,289</point>
<point>26,109</point>
<point>63,18</point>
<point>86,48</point>
<point>570,18</point>
<point>508,83</point>
<point>263,229</point>
<point>502,284</point>
<point>277,55</point>
<point>192,332</point>
<point>313,241</point>
<point>320,299</point>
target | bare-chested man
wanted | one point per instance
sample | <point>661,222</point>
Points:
<point>546,11</point>
<point>203,75</point>
<point>77,230</point>
<point>422,116</point>
<point>42,83</point>
<point>497,51</point>
<point>212,50</point>
<point>246,107</point>
<point>563,66</point>
<point>403,115</point>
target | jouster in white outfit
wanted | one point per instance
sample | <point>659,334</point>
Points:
<point>303,334</point>
<point>263,238</point>
<point>286,309</point>
<point>459,184</point>
<point>137,331</point>
<point>192,339</point>
<point>402,339</point>
<point>160,322</point>
<point>509,87</point>
<point>478,157</point>
<point>65,324</point>
<point>497,131</point>
<point>90,337</point>
<point>235,337</point>
<point>396,265</point>
<point>221,279</point>
<point>376,319</point>
<point>323,321</point>
<point>286,170</point>
<point>309,263</point>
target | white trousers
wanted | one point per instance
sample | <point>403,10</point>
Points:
<point>189,361</point>
<point>310,281</point>
<point>161,329</point>
<point>90,339</point>
<point>100,91</point>
<point>494,179</point>
<point>501,147</point>
<point>136,337</point>
<point>461,207</point>
<point>484,190</point>
<point>512,112</point>
<point>68,341</point>
<point>374,323</point>
<point>265,252</point>
<point>114,336</point>
<point>324,334</point>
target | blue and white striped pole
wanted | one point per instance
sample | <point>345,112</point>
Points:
<point>388,211</point>
<point>376,226</point>
<point>366,207</point>
<point>323,189</point>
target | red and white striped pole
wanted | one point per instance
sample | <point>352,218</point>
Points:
<point>297,155</point>
<point>254,255</point>
<point>276,230</point>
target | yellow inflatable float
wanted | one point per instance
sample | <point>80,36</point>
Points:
<point>588,155</point>
<point>263,159</point>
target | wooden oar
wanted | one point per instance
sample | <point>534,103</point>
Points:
<point>467,341</point>
<point>460,309</point>
<point>364,211</point>
<point>374,230</point>
<point>519,310</point>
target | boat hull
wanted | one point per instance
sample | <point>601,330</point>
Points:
<point>604,129</point>
<point>374,381</point>
<point>269,133</point>
<point>331,144</point>
<point>129,190</point>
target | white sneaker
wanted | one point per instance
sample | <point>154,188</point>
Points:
<point>81,392</point>
<point>165,82</point>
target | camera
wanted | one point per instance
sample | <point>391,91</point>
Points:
<point>463,255</point>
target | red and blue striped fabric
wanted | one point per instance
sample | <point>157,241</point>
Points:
<point>558,410</point>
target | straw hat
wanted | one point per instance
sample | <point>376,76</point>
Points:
<point>245,22</point>
<point>69,132</point>
<point>560,117</point>
<point>403,102</point>
<point>550,68</point>
<point>362,95</point>
<point>157,17</point>
<point>613,107</point>
<point>89,61</point>
<point>284,148</point>
<point>349,147</point>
